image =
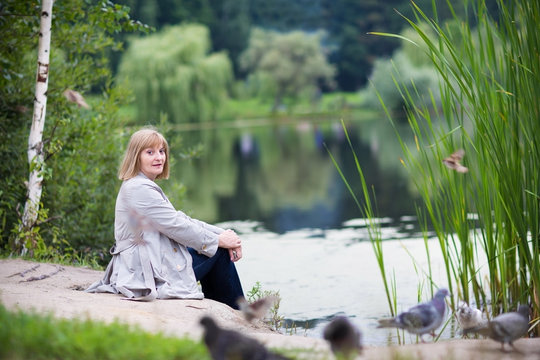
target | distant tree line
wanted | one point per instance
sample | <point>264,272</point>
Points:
<point>351,49</point>
<point>172,72</point>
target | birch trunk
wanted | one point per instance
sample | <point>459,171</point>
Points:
<point>35,140</point>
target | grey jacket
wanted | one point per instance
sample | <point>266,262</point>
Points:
<point>150,257</point>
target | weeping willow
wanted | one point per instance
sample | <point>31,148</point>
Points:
<point>173,72</point>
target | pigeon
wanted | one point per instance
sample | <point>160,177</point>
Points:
<point>75,97</point>
<point>258,308</point>
<point>453,161</point>
<point>469,317</point>
<point>225,344</point>
<point>344,338</point>
<point>421,319</point>
<point>505,328</point>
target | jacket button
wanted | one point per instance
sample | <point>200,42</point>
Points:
<point>175,250</point>
<point>179,267</point>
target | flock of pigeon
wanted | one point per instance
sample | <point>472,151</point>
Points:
<point>345,339</point>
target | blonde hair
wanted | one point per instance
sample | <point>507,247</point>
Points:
<point>140,140</point>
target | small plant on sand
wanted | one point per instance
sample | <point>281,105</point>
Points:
<point>274,320</point>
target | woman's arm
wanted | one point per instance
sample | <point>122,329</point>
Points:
<point>149,201</point>
<point>227,239</point>
<point>210,227</point>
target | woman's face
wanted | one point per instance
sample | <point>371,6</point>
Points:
<point>152,161</point>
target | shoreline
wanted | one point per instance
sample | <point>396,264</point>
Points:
<point>57,289</point>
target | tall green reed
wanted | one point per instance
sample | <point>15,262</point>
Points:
<point>486,220</point>
<point>369,212</point>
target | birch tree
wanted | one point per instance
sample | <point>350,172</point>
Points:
<point>35,140</point>
<point>79,146</point>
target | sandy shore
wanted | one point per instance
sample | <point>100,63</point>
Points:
<point>60,294</point>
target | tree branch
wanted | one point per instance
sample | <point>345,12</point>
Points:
<point>44,276</point>
<point>24,272</point>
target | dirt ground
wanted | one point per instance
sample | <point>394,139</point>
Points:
<point>51,288</point>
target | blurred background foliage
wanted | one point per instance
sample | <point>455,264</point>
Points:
<point>81,153</point>
<point>285,65</point>
<point>173,71</point>
<point>174,62</point>
<point>347,22</point>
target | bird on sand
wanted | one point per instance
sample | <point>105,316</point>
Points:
<point>469,317</point>
<point>344,338</point>
<point>225,344</point>
<point>506,327</point>
<point>454,161</point>
<point>75,97</point>
<point>421,319</point>
<point>258,308</point>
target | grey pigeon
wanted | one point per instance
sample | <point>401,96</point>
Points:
<point>421,319</point>
<point>258,308</point>
<point>505,328</point>
<point>225,344</point>
<point>469,317</point>
<point>344,338</point>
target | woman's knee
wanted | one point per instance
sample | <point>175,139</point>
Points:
<point>223,255</point>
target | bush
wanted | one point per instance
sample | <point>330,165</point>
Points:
<point>81,147</point>
<point>32,336</point>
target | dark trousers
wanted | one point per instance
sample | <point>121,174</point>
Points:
<point>218,277</point>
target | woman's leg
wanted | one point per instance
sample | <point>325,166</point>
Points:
<point>218,277</point>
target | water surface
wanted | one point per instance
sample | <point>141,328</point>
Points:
<point>278,186</point>
<point>323,273</point>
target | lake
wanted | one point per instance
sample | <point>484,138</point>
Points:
<point>277,184</point>
<point>322,273</point>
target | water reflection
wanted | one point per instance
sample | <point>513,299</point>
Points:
<point>283,176</point>
<point>243,202</point>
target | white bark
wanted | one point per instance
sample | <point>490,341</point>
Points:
<point>35,140</point>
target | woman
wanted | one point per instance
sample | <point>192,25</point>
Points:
<point>160,252</point>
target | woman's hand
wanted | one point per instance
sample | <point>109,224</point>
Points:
<point>235,254</point>
<point>229,240</point>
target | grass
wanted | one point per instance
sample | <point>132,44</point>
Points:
<point>32,336</point>
<point>256,108</point>
<point>275,321</point>
<point>368,210</point>
<point>254,112</point>
<point>42,337</point>
<point>67,256</point>
<point>486,220</point>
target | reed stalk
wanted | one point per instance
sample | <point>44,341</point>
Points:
<point>486,220</point>
<point>368,212</point>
